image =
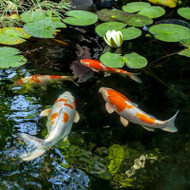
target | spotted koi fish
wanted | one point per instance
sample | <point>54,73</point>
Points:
<point>98,66</point>
<point>60,120</point>
<point>129,111</point>
<point>42,80</point>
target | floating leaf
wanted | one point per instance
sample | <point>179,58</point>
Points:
<point>134,60</point>
<point>9,58</point>
<point>185,52</point>
<point>152,12</point>
<point>185,42</point>
<point>112,15</point>
<point>31,16</point>
<point>12,36</point>
<point>184,12</point>
<point>112,60</point>
<point>101,29</point>
<point>131,33</point>
<point>80,18</point>
<point>138,20</point>
<point>168,3</point>
<point>43,28</point>
<point>135,7</point>
<point>170,32</point>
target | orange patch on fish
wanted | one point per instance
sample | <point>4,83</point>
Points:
<point>65,117</point>
<point>145,118</point>
<point>69,105</point>
<point>62,100</point>
<point>52,122</point>
<point>74,104</point>
<point>55,77</point>
<point>54,116</point>
<point>35,78</point>
<point>19,82</point>
<point>113,92</point>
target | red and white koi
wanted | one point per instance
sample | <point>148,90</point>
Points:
<point>98,66</point>
<point>129,111</point>
<point>42,80</point>
<point>60,120</point>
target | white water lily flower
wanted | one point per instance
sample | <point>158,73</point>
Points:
<point>113,38</point>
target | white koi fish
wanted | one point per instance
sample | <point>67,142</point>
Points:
<point>98,66</point>
<point>129,111</point>
<point>43,80</point>
<point>60,119</point>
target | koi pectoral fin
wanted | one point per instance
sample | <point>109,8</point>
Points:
<point>148,128</point>
<point>77,117</point>
<point>124,121</point>
<point>45,112</point>
<point>109,108</point>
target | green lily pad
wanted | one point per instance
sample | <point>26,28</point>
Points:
<point>152,12</point>
<point>112,60</point>
<point>101,29</point>
<point>185,52</point>
<point>9,58</point>
<point>80,18</point>
<point>135,61</point>
<point>138,20</point>
<point>170,32</point>
<point>135,7</point>
<point>112,15</point>
<point>43,28</point>
<point>185,42</point>
<point>130,33</point>
<point>13,35</point>
<point>31,16</point>
<point>184,12</point>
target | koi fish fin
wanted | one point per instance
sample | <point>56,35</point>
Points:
<point>106,74</point>
<point>71,78</point>
<point>124,121</point>
<point>135,77</point>
<point>95,70</point>
<point>39,143</point>
<point>147,128</point>
<point>109,108</point>
<point>170,125</point>
<point>45,112</point>
<point>77,117</point>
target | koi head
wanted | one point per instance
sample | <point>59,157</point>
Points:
<point>103,91</point>
<point>23,81</point>
<point>67,97</point>
<point>86,62</point>
<point>19,82</point>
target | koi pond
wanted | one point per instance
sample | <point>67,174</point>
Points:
<point>99,153</point>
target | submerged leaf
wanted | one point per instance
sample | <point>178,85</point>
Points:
<point>134,60</point>
<point>101,29</point>
<point>80,18</point>
<point>9,58</point>
<point>112,60</point>
<point>170,32</point>
<point>13,35</point>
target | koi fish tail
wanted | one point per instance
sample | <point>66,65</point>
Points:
<point>135,77</point>
<point>39,144</point>
<point>170,125</point>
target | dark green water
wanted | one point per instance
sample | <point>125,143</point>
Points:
<point>100,153</point>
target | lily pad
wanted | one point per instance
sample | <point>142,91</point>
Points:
<point>31,16</point>
<point>135,6</point>
<point>112,15</point>
<point>185,42</point>
<point>9,58</point>
<point>185,52</point>
<point>43,28</point>
<point>170,32</point>
<point>135,61</point>
<point>80,18</point>
<point>13,35</point>
<point>131,33</point>
<point>112,60</point>
<point>152,12</point>
<point>138,20</point>
<point>101,29</point>
<point>184,12</point>
<point>168,3</point>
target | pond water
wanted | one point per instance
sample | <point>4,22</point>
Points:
<point>100,153</point>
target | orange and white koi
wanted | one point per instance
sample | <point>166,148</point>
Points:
<point>98,66</point>
<point>129,111</point>
<point>42,80</point>
<point>60,120</point>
